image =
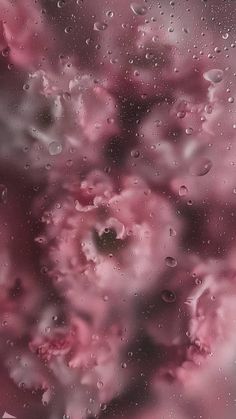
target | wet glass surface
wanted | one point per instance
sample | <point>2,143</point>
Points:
<point>117,209</point>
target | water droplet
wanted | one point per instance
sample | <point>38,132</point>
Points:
<point>68,29</point>
<point>198,281</point>
<point>44,270</point>
<point>155,39</point>
<point>6,52</point>
<point>201,167</point>
<point>99,384</point>
<point>189,131</point>
<point>225,36</point>
<point>138,9</point>
<point>171,262</point>
<point>217,49</point>
<point>26,86</point>
<point>109,14</point>
<point>214,75</point>
<point>208,109</point>
<point>55,148</point>
<point>231,99</point>
<point>65,416</point>
<point>100,26</point>
<point>135,154</point>
<point>168,296</point>
<point>181,114</point>
<point>66,96</point>
<point>170,29</point>
<point>172,232</point>
<point>103,406</point>
<point>124,365</point>
<point>61,3</point>
<point>3,194</point>
<point>183,190</point>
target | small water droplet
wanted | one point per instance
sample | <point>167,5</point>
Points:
<point>171,262</point>
<point>3,194</point>
<point>215,75</point>
<point>168,296</point>
<point>183,190</point>
<point>99,384</point>
<point>135,154</point>
<point>55,148</point>
<point>109,14</point>
<point>198,281</point>
<point>172,232</point>
<point>138,9</point>
<point>181,114</point>
<point>231,99</point>
<point>225,36</point>
<point>61,3</point>
<point>103,406</point>
<point>100,26</point>
<point>6,52</point>
<point>189,131</point>
<point>124,365</point>
<point>68,29</point>
<point>208,109</point>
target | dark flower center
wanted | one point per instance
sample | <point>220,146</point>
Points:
<point>107,242</point>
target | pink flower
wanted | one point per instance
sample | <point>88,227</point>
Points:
<point>103,231</point>
<point>23,33</point>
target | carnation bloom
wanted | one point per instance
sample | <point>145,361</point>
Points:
<point>102,231</point>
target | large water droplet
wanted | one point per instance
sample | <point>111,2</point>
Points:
<point>138,9</point>
<point>168,296</point>
<point>170,261</point>
<point>61,3</point>
<point>172,232</point>
<point>189,131</point>
<point>135,154</point>
<point>99,384</point>
<point>214,75</point>
<point>183,190</point>
<point>100,26</point>
<point>201,167</point>
<point>55,148</point>
<point>225,36</point>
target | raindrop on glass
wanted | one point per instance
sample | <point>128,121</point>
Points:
<point>3,194</point>
<point>168,296</point>
<point>171,262</point>
<point>138,9</point>
<point>55,148</point>
<point>183,190</point>
<point>201,167</point>
<point>214,75</point>
<point>100,26</point>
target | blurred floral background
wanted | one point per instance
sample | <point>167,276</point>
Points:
<point>118,209</point>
